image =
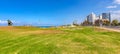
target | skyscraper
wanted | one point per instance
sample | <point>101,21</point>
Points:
<point>91,18</point>
<point>106,16</point>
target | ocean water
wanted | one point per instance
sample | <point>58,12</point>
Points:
<point>44,26</point>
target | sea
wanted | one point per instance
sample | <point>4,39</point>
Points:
<point>44,26</point>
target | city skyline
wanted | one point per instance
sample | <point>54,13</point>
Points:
<point>54,12</point>
<point>93,18</point>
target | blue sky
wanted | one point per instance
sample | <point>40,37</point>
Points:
<point>54,12</point>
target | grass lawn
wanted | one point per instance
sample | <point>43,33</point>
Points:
<point>83,40</point>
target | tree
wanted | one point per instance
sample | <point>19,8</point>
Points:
<point>119,23</point>
<point>10,23</point>
<point>97,22</point>
<point>115,22</point>
<point>75,23</point>
<point>85,23</point>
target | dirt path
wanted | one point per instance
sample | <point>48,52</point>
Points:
<point>110,29</point>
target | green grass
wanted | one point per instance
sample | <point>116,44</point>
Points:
<point>82,40</point>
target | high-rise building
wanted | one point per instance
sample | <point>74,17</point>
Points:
<point>106,16</point>
<point>91,18</point>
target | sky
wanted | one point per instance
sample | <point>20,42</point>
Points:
<point>54,12</point>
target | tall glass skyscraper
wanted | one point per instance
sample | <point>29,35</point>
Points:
<point>106,16</point>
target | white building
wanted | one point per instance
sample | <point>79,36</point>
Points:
<point>100,17</point>
<point>91,18</point>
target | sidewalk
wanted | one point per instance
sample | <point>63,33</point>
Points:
<point>110,29</point>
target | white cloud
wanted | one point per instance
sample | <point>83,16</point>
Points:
<point>117,1</point>
<point>115,15</point>
<point>112,6</point>
<point>3,22</point>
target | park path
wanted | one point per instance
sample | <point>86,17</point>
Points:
<point>110,29</point>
